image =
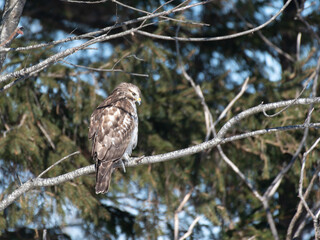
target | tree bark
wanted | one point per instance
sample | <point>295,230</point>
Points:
<point>9,22</point>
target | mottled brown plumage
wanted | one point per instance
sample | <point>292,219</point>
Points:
<point>114,132</point>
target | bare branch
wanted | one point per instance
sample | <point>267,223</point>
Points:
<point>106,29</point>
<point>300,206</point>
<point>266,40</point>
<point>184,201</point>
<point>24,116</point>
<point>234,167</point>
<point>21,78</point>
<point>301,195</point>
<point>276,182</point>
<point>206,39</point>
<point>270,219</point>
<point>39,182</point>
<point>265,107</point>
<point>211,128</point>
<point>164,17</point>
<point>304,222</point>
<point>240,174</point>
<point>25,73</point>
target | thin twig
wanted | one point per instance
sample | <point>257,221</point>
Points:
<point>106,70</point>
<point>46,135</point>
<point>161,6</point>
<point>224,112</point>
<point>164,17</point>
<point>18,31</point>
<point>299,95</point>
<point>56,163</point>
<point>270,219</point>
<point>298,45</point>
<point>313,76</point>
<point>189,232</point>
<point>269,130</point>
<point>179,209</point>
<point>207,114</point>
<point>8,129</point>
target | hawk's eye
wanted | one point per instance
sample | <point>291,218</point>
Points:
<point>134,94</point>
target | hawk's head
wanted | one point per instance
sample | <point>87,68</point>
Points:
<point>129,90</point>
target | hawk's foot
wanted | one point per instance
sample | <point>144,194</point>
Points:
<point>126,158</point>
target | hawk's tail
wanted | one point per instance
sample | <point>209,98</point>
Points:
<point>104,170</point>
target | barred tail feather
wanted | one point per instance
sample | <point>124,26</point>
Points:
<point>104,170</point>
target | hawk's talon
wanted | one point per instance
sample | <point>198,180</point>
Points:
<point>123,166</point>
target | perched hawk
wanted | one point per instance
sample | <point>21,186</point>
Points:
<point>114,132</point>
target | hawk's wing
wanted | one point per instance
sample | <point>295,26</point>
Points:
<point>111,128</point>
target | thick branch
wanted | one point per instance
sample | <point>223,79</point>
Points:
<point>44,182</point>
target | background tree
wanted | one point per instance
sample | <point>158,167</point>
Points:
<point>73,53</point>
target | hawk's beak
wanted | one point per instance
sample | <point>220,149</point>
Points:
<point>138,100</point>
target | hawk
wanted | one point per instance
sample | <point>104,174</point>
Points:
<point>114,132</point>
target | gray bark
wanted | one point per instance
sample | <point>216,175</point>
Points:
<point>10,19</point>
